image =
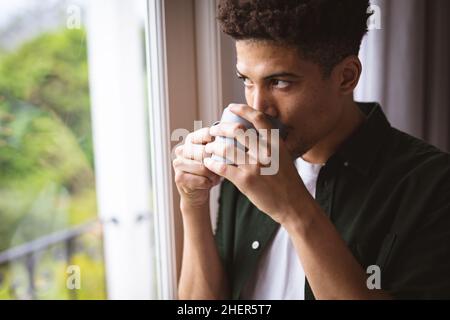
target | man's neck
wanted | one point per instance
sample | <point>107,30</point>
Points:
<point>351,120</point>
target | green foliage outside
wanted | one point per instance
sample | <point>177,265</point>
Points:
<point>46,156</point>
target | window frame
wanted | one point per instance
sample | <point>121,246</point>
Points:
<point>185,72</point>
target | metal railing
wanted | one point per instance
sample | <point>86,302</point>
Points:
<point>29,250</point>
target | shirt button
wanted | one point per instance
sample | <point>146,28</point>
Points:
<point>346,164</point>
<point>255,245</point>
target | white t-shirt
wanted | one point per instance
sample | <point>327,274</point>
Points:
<point>279,274</point>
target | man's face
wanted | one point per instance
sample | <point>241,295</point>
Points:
<point>280,83</point>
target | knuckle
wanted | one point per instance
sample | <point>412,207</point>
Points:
<point>203,132</point>
<point>179,150</point>
<point>222,169</point>
<point>188,151</point>
<point>200,135</point>
<point>235,105</point>
<point>238,128</point>
<point>176,163</point>
<point>204,172</point>
<point>213,177</point>
<point>179,178</point>
<point>205,183</point>
<point>258,116</point>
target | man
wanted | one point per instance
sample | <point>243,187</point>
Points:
<point>363,210</point>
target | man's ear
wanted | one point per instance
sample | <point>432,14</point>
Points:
<point>348,72</point>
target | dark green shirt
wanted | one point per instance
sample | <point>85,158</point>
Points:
<point>388,195</point>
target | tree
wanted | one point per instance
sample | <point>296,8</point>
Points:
<point>51,72</point>
<point>46,158</point>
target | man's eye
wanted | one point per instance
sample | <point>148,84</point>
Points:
<point>280,84</point>
<point>246,81</point>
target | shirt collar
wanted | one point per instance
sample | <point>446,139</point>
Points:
<point>359,151</point>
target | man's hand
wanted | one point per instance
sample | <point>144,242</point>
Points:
<point>202,275</point>
<point>193,179</point>
<point>272,194</point>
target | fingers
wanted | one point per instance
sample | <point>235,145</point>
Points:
<point>190,181</point>
<point>259,149</point>
<point>196,168</point>
<point>191,151</point>
<point>193,148</point>
<point>200,136</point>
<point>235,131</point>
<point>260,155</point>
<point>228,129</point>
<point>227,149</point>
<point>250,138</point>
<point>229,172</point>
<point>257,118</point>
<point>190,172</point>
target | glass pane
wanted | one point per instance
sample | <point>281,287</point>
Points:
<point>49,231</point>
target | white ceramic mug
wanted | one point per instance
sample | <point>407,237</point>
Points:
<point>228,116</point>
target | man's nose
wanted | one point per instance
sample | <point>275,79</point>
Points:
<point>262,101</point>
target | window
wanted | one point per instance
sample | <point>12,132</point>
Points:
<point>49,233</point>
<point>90,94</point>
<point>75,184</point>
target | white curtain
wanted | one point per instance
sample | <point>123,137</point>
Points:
<point>406,67</point>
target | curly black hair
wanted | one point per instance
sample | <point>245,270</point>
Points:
<point>324,31</point>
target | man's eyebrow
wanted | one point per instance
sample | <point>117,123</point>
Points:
<point>272,76</point>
